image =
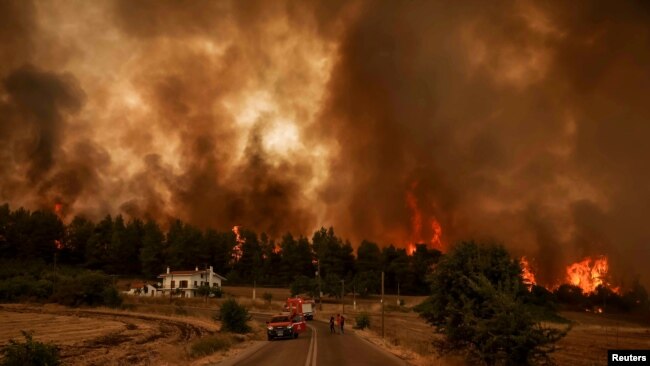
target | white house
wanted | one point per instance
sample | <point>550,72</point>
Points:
<point>142,289</point>
<point>187,282</point>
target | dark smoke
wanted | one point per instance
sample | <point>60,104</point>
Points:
<point>522,122</point>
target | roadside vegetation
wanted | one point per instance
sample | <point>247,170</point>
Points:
<point>477,304</point>
<point>234,317</point>
<point>29,353</point>
<point>35,281</point>
<point>209,344</point>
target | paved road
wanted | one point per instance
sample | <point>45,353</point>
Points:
<point>317,347</point>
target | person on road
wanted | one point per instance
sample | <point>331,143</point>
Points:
<point>338,320</point>
<point>342,322</point>
<point>332,329</point>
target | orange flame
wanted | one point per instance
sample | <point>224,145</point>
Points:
<point>589,273</point>
<point>437,234</point>
<point>237,250</point>
<point>58,209</point>
<point>410,249</point>
<point>416,216</point>
<point>416,223</point>
<point>58,244</point>
<point>527,273</point>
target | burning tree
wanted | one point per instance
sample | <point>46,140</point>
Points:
<point>477,303</point>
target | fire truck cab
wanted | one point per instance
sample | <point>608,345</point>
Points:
<point>285,326</point>
<point>300,306</point>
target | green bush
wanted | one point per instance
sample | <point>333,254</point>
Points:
<point>363,321</point>
<point>233,317</point>
<point>268,297</point>
<point>30,353</point>
<point>111,297</point>
<point>86,288</point>
<point>24,287</point>
<point>216,292</point>
<point>477,303</point>
<point>209,345</point>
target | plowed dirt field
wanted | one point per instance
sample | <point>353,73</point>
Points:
<point>105,337</point>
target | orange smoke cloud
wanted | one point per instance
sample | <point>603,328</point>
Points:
<point>291,115</point>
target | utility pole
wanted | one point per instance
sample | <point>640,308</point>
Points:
<point>54,282</point>
<point>342,296</point>
<point>171,288</point>
<point>382,304</point>
<point>354,297</point>
<point>398,302</point>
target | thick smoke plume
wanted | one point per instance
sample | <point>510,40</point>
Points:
<point>522,122</point>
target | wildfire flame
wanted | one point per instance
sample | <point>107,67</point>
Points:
<point>416,216</point>
<point>416,224</point>
<point>437,234</point>
<point>527,273</point>
<point>410,249</point>
<point>237,250</point>
<point>58,209</point>
<point>589,273</point>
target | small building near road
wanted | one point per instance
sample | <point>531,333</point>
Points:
<point>186,283</point>
<point>140,288</point>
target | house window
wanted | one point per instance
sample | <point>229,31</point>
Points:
<point>183,284</point>
<point>201,275</point>
<point>173,284</point>
<point>195,284</point>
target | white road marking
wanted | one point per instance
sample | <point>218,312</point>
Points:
<point>313,360</point>
<point>313,347</point>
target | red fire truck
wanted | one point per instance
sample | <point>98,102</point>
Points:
<point>285,326</point>
<point>301,306</point>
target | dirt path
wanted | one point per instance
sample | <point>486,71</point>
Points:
<point>106,337</point>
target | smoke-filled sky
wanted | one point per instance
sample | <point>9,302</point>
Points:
<point>526,122</point>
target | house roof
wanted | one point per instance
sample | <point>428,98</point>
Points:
<point>192,273</point>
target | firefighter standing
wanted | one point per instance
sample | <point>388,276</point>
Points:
<point>342,322</point>
<point>338,320</point>
<point>332,329</point>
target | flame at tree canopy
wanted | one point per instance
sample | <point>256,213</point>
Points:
<point>417,235</point>
<point>588,274</point>
<point>527,273</point>
<point>237,250</point>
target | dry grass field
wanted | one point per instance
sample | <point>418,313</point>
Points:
<point>111,337</point>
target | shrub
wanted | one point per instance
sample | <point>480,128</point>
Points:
<point>363,321</point>
<point>30,353</point>
<point>268,297</point>
<point>111,297</point>
<point>209,345</point>
<point>477,303</point>
<point>216,292</point>
<point>233,317</point>
<point>86,288</point>
<point>203,290</point>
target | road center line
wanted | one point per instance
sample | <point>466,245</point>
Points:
<point>313,360</point>
<point>311,345</point>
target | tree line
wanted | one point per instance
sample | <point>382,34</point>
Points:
<point>142,248</point>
